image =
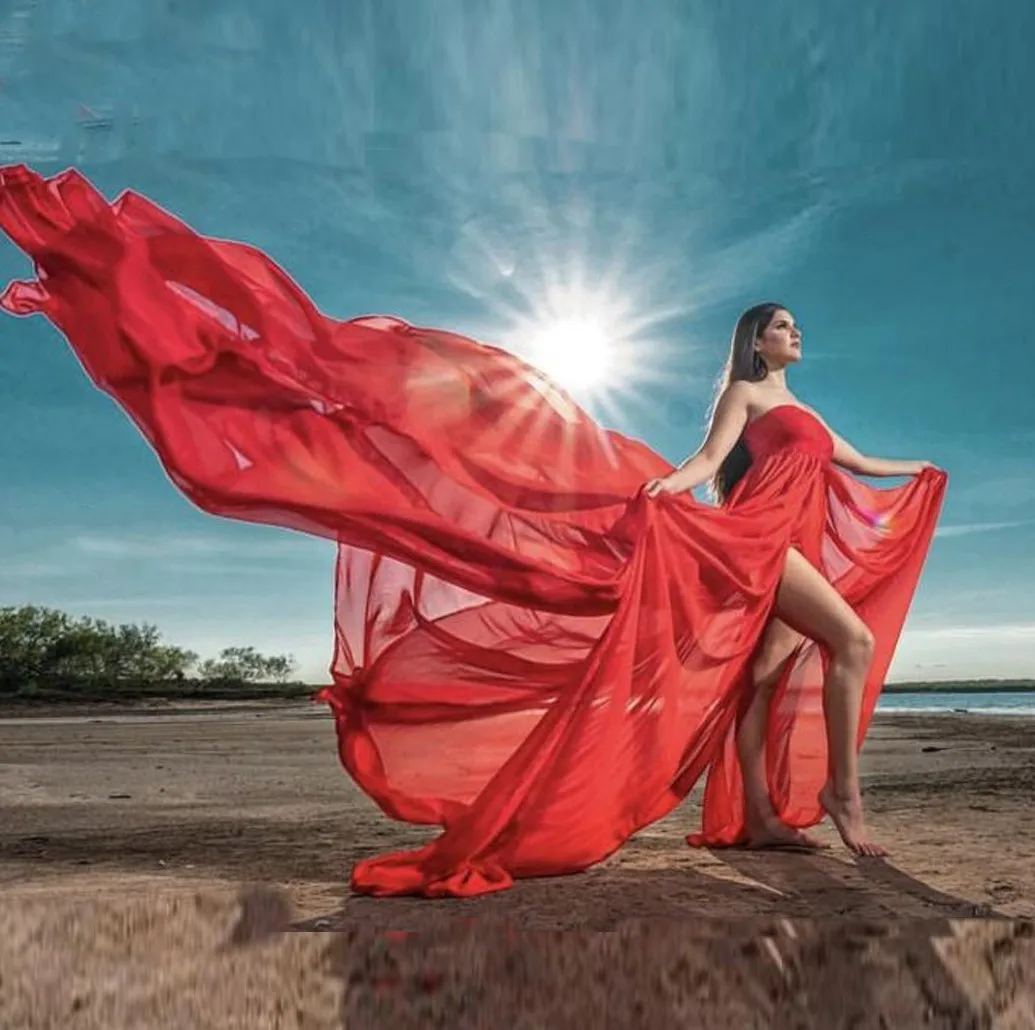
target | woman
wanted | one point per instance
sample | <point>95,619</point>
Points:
<point>766,342</point>
<point>530,653</point>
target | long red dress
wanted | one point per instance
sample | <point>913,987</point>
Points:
<point>529,653</point>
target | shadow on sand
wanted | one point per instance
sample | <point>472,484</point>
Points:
<point>748,941</point>
<point>730,884</point>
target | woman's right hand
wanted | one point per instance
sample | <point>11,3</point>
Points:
<point>657,487</point>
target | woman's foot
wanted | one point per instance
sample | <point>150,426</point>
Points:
<point>769,831</point>
<point>847,813</point>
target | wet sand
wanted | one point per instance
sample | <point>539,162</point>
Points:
<point>147,827</point>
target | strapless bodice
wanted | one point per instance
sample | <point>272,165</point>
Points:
<point>788,427</point>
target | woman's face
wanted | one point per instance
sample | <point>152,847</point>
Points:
<point>780,342</point>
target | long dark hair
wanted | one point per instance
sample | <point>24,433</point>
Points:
<point>744,363</point>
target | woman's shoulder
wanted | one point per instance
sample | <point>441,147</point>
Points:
<point>745,394</point>
<point>734,399</point>
<point>741,390</point>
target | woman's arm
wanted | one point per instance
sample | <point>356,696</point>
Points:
<point>731,414</point>
<point>849,458</point>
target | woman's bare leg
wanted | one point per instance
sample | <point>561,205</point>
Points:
<point>806,601</point>
<point>765,829</point>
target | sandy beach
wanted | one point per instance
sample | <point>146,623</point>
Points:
<point>98,802</point>
<point>172,815</point>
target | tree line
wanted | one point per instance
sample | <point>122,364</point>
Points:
<point>44,651</point>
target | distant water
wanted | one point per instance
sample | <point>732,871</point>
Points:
<point>1003,702</point>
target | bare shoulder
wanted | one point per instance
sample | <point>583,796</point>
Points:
<point>731,409</point>
<point>741,395</point>
<point>738,394</point>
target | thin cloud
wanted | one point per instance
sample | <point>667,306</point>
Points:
<point>162,546</point>
<point>35,570</point>
<point>122,605</point>
<point>971,528</point>
<point>1020,632</point>
<point>78,555</point>
<point>967,651</point>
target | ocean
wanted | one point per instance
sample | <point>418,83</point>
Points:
<point>1000,702</point>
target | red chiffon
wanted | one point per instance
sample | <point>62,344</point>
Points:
<point>528,653</point>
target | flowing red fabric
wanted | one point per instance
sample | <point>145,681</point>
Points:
<point>529,654</point>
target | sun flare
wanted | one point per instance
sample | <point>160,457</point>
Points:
<point>601,344</point>
<point>576,352</point>
<point>582,340</point>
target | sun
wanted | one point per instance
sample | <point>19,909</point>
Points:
<point>597,343</point>
<point>579,339</point>
<point>575,351</point>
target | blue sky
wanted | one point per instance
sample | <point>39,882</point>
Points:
<point>459,163</point>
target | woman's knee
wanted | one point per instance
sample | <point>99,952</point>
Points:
<point>856,644</point>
